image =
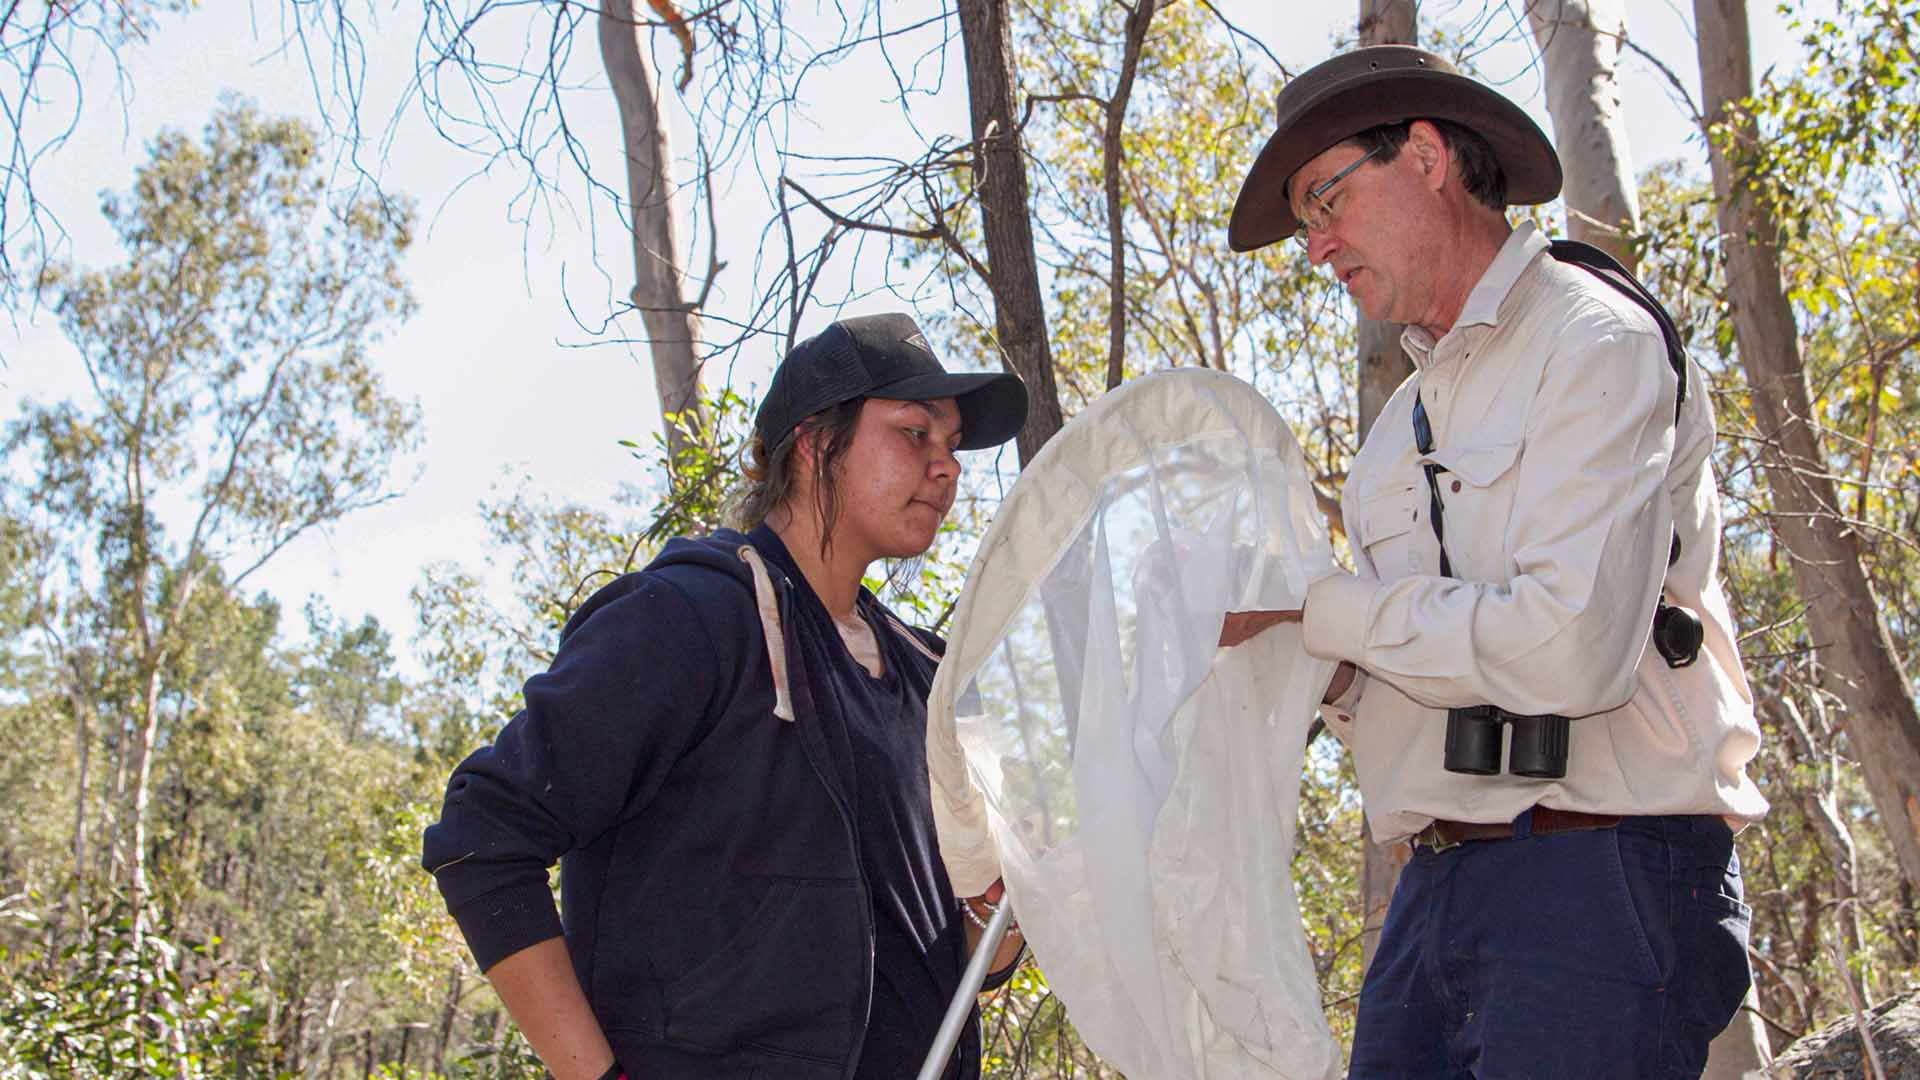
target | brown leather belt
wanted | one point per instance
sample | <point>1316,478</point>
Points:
<point>1443,834</point>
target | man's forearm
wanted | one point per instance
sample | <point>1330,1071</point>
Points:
<point>542,994</point>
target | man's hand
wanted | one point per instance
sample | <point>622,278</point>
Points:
<point>1241,625</point>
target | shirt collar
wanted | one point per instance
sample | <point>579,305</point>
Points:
<point>1483,303</point>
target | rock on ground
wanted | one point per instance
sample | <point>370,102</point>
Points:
<point>1835,1051</point>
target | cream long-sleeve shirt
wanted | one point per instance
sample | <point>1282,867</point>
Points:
<point>1552,406</point>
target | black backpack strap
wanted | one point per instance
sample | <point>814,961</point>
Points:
<point>1608,269</point>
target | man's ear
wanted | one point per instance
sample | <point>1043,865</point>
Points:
<point>1429,150</point>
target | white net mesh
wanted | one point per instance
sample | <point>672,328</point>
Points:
<point>1138,784</point>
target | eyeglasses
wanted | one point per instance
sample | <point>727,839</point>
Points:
<point>1317,213</point>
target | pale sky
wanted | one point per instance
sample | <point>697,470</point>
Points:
<point>506,380</point>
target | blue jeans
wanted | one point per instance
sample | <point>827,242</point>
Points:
<point>1605,953</point>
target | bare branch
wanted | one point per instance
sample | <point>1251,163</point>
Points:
<point>1237,32</point>
<point>714,263</point>
<point>1674,82</point>
<point>1035,99</point>
<point>864,226</point>
<point>1138,19</point>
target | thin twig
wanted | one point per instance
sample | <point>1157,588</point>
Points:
<point>1859,1012</point>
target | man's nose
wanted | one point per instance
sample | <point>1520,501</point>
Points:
<point>1320,246</point>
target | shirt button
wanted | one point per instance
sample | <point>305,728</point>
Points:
<point>1456,485</point>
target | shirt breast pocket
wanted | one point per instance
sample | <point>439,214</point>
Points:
<point>1476,495</point>
<point>1385,529</point>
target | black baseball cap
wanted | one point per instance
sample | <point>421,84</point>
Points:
<point>886,356</point>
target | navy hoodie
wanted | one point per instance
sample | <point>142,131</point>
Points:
<point>742,895</point>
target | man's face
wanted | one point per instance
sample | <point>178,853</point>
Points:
<point>897,480</point>
<point>1370,229</point>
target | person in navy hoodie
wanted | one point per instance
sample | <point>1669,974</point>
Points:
<point>727,758</point>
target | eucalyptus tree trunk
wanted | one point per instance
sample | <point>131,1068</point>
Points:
<point>1000,170</point>
<point>1843,616</point>
<point>82,707</point>
<point>152,633</point>
<point>673,328</point>
<point>1383,366</point>
<point>1580,45</point>
<point>456,986</point>
<point>1383,363</point>
<point>1139,17</point>
<point>139,891</point>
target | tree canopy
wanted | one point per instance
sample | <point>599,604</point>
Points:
<point>211,861</point>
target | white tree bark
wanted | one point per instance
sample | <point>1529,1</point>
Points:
<point>673,328</point>
<point>1580,46</point>
<point>1389,22</point>
<point>1742,1049</point>
<point>1383,366</point>
<point>1844,617</point>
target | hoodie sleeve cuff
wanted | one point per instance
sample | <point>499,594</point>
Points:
<point>504,921</point>
<point>1334,623</point>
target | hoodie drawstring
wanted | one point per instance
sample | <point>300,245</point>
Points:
<point>769,604</point>
<point>913,639</point>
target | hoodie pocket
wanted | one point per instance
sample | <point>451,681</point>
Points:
<point>791,981</point>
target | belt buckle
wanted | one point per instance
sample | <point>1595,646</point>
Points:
<point>1431,839</point>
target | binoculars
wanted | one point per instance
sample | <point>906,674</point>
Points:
<point>1539,747</point>
<point>1473,742</point>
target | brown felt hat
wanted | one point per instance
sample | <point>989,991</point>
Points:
<point>1382,84</point>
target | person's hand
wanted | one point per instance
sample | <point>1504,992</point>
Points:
<point>979,911</point>
<point>1241,625</point>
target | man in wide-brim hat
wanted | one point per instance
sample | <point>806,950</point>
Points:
<point>1512,516</point>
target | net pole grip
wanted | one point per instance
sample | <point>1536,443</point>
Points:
<point>961,1006</point>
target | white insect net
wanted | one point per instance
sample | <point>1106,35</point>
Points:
<point>1136,784</point>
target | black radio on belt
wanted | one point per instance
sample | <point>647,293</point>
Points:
<point>1539,745</point>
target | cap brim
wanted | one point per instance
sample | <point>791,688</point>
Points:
<point>993,405</point>
<point>1262,213</point>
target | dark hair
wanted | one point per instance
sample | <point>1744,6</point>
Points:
<point>770,473</point>
<point>1480,171</point>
